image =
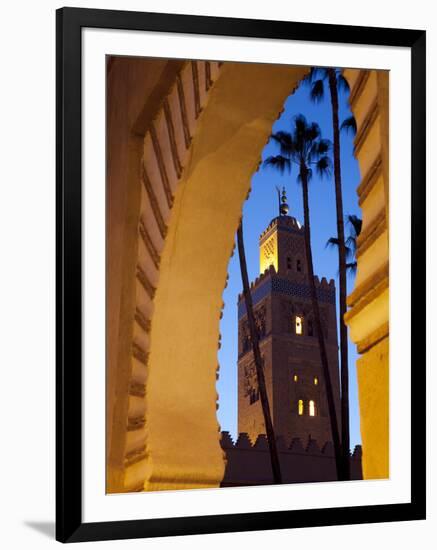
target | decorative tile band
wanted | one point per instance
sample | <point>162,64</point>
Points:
<point>277,285</point>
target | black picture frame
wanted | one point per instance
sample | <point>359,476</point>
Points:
<point>69,525</point>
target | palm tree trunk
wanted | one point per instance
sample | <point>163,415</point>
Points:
<point>274,457</point>
<point>321,339</point>
<point>344,369</point>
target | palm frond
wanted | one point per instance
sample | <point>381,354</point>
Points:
<point>349,253</point>
<point>319,148</point>
<point>324,146</point>
<point>279,162</point>
<point>349,124</point>
<point>285,142</point>
<point>317,92</point>
<point>351,242</point>
<point>304,147</point>
<point>352,267</point>
<point>312,132</point>
<point>319,73</point>
<point>356,223</point>
<point>300,124</point>
<point>342,83</point>
<point>323,166</point>
<point>333,241</point>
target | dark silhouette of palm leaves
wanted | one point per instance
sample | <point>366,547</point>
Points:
<point>349,125</point>
<point>355,225</point>
<point>304,146</point>
<point>316,79</point>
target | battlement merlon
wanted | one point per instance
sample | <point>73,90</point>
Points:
<point>296,445</point>
<point>269,272</point>
<point>323,283</point>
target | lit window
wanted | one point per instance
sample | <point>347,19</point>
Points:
<point>316,381</point>
<point>312,408</point>
<point>295,378</point>
<point>300,407</point>
<point>299,325</point>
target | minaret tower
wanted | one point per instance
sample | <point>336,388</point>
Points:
<point>288,341</point>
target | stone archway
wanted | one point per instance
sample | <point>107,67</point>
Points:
<point>179,132</point>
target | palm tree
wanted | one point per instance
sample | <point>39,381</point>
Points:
<point>270,434</point>
<point>305,148</point>
<point>351,242</point>
<point>355,224</point>
<point>336,81</point>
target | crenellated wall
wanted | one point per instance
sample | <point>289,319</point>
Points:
<point>301,461</point>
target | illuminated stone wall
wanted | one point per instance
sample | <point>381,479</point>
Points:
<point>368,317</point>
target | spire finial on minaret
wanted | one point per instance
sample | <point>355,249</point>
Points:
<point>283,207</point>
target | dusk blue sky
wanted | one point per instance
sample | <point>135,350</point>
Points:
<point>259,210</point>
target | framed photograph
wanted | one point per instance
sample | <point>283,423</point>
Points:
<point>240,274</point>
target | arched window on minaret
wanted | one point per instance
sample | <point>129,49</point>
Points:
<point>299,325</point>
<point>298,265</point>
<point>312,408</point>
<point>300,407</point>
